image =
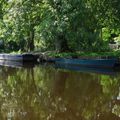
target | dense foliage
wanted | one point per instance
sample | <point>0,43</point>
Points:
<point>62,25</point>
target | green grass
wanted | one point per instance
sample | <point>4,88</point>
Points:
<point>74,54</point>
<point>87,54</point>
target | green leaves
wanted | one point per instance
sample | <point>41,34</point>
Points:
<point>63,25</point>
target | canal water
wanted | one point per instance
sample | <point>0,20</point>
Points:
<point>44,92</point>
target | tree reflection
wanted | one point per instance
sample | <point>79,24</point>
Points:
<point>45,93</point>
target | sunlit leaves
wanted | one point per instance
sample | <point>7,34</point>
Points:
<point>76,25</point>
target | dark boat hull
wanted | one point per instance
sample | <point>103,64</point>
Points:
<point>101,63</point>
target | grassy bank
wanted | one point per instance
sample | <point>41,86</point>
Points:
<point>85,54</point>
<point>73,54</point>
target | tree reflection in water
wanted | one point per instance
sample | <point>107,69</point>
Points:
<point>45,93</point>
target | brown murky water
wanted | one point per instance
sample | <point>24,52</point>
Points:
<point>46,93</point>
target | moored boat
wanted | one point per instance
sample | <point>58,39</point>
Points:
<point>18,57</point>
<point>103,63</point>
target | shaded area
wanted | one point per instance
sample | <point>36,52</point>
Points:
<point>107,71</point>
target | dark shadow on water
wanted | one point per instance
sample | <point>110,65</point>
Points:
<point>107,71</point>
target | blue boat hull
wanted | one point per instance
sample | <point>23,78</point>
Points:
<point>103,63</point>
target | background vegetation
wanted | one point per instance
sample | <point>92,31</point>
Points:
<point>60,25</point>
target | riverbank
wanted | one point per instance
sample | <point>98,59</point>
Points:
<point>78,55</point>
<point>87,59</point>
<point>46,56</point>
<point>85,54</point>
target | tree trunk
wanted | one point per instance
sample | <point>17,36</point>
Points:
<point>30,42</point>
<point>32,35</point>
<point>61,44</point>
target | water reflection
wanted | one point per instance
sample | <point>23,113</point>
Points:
<point>46,93</point>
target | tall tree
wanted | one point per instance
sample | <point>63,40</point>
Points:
<point>26,15</point>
